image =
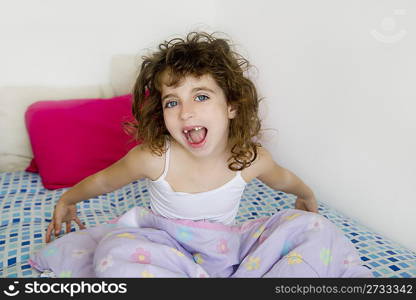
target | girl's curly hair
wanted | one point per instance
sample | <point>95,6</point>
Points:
<point>199,54</point>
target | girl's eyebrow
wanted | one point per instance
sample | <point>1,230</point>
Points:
<point>195,89</point>
<point>202,88</point>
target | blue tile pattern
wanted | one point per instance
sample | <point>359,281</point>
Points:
<point>26,210</point>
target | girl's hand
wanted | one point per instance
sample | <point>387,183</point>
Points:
<point>308,204</point>
<point>63,213</point>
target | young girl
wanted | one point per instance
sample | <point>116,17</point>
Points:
<point>196,114</point>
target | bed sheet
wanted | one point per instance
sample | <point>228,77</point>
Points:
<point>26,210</point>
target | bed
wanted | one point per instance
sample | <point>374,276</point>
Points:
<point>27,209</point>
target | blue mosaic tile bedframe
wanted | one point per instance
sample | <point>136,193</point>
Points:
<point>26,209</point>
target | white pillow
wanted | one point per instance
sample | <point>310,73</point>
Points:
<point>124,69</point>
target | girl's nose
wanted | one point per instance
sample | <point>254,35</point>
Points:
<point>187,112</point>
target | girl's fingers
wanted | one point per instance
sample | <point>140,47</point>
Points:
<point>299,205</point>
<point>68,226</point>
<point>80,224</point>
<point>48,233</point>
<point>313,207</point>
<point>57,228</point>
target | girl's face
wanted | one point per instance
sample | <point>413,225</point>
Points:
<point>196,114</point>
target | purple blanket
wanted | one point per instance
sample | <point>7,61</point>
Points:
<point>291,243</point>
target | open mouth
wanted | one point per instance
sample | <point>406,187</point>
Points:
<point>195,135</point>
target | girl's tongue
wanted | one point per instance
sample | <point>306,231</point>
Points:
<point>196,136</point>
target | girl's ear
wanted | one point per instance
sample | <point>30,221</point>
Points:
<point>232,111</point>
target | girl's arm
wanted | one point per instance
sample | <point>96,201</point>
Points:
<point>281,179</point>
<point>133,166</point>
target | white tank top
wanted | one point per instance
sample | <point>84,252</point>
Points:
<point>217,205</point>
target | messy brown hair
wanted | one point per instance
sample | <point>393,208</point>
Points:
<point>198,54</point>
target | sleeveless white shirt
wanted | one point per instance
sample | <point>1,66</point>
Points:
<point>217,205</point>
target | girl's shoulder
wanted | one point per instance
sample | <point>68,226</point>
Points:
<point>152,164</point>
<point>263,160</point>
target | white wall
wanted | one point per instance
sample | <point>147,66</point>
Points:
<point>70,42</point>
<point>339,81</point>
<point>340,96</point>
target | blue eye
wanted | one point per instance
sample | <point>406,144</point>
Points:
<point>171,104</point>
<point>201,98</point>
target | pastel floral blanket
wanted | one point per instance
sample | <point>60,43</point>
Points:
<point>291,243</point>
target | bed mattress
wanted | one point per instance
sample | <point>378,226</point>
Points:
<point>27,207</point>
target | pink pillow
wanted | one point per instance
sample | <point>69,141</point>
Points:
<point>72,139</point>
